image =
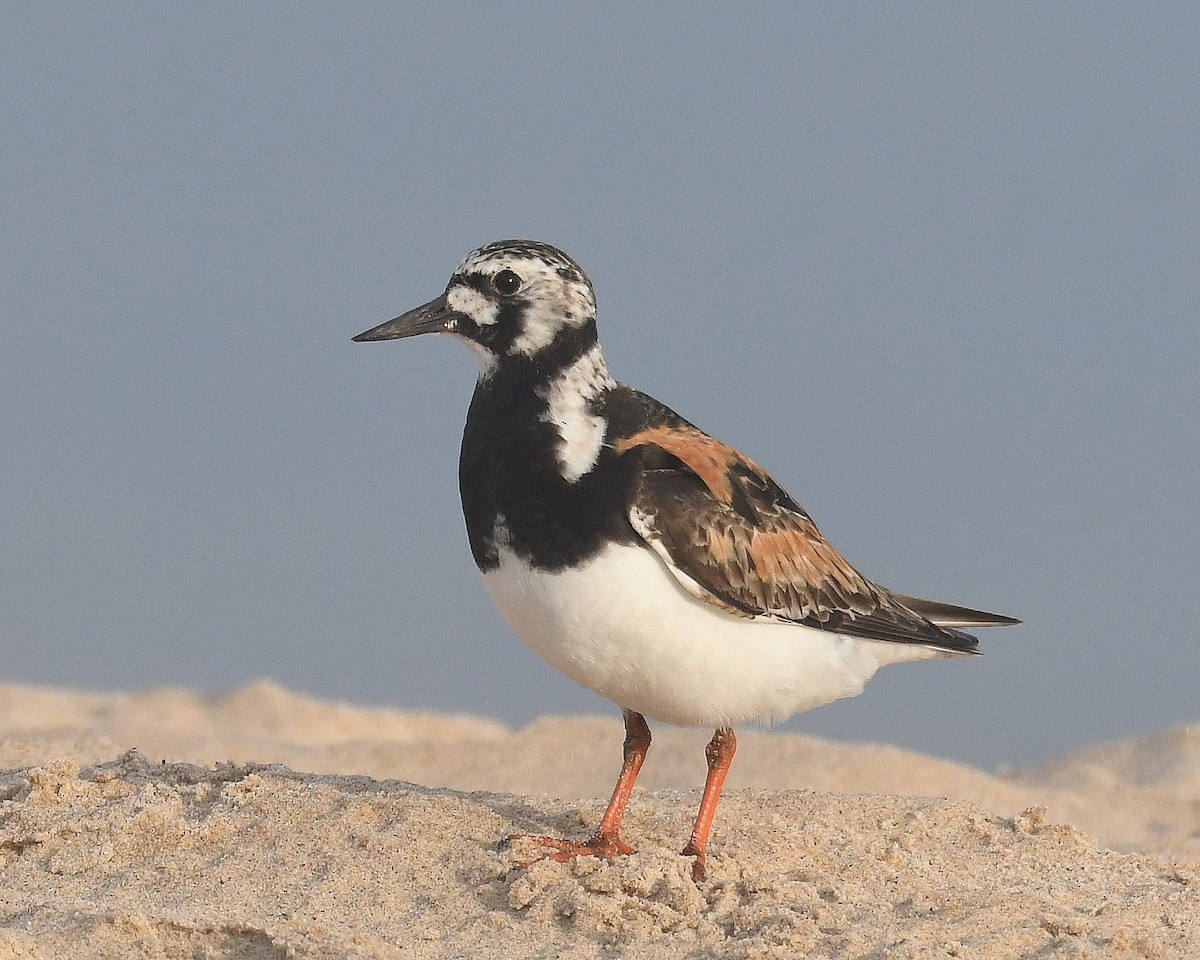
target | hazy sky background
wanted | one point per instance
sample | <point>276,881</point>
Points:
<point>936,266</point>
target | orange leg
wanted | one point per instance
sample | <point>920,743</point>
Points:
<point>606,842</point>
<point>719,755</point>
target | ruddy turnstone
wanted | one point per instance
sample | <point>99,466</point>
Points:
<point>643,558</point>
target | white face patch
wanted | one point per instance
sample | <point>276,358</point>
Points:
<point>568,396</point>
<point>474,304</point>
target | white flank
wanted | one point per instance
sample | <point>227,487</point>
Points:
<point>567,398</point>
<point>622,626</point>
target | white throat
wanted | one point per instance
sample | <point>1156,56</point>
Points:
<point>487,359</point>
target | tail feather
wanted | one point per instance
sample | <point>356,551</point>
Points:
<point>951,615</point>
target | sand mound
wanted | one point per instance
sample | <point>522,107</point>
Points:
<point>147,856</point>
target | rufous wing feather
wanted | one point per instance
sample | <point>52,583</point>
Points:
<point>733,537</point>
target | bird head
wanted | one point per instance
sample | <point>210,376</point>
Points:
<point>509,299</point>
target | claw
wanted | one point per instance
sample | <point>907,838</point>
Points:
<point>606,848</point>
<point>699,871</point>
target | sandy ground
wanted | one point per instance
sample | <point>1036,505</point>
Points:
<point>203,842</point>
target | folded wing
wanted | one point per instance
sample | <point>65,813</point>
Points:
<point>734,538</point>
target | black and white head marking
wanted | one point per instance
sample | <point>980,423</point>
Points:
<point>524,297</point>
<point>515,298</point>
<point>529,313</point>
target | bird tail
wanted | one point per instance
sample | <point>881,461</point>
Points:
<point>950,615</point>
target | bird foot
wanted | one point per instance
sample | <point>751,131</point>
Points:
<point>606,848</point>
<point>699,871</point>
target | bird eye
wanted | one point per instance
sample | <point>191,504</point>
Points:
<point>506,282</point>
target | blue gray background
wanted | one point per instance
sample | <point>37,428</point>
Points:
<point>933,265</point>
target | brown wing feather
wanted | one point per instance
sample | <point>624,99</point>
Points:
<point>720,520</point>
<point>707,458</point>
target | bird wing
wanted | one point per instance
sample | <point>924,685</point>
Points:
<point>734,538</point>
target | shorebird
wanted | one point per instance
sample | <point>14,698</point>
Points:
<point>643,558</point>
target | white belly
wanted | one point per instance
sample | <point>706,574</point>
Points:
<point>622,626</point>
